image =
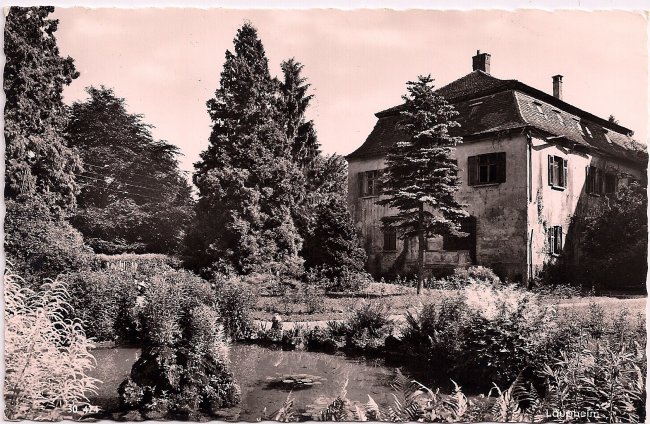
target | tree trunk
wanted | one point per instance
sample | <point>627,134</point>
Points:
<point>421,248</point>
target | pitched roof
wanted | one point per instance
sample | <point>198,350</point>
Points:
<point>488,105</point>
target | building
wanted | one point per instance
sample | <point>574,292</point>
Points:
<point>531,165</point>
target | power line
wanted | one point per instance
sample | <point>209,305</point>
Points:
<point>107,168</point>
<point>116,190</point>
<point>103,178</point>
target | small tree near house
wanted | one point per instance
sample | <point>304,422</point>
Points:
<point>421,175</point>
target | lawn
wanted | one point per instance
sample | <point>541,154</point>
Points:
<point>398,299</point>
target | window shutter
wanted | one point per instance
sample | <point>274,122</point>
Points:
<point>501,167</point>
<point>360,180</point>
<point>551,240</point>
<point>565,172</point>
<point>472,170</point>
<point>550,170</point>
<point>560,236</point>
<point>588,180</point>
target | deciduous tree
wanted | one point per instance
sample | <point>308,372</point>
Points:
<point>133,195</point>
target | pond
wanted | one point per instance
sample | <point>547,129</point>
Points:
<point>266,376</point>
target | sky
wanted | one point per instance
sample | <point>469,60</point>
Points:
<point>166,63</point>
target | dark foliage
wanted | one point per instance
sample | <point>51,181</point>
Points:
<point>615,243</point>
<point>183,369</point>
<point>133,196</point>
<point>264,187</point>
<point>106,302</point>
<point>40,245</point>
<point>247,180</point>
<point>235,303</point>
<point>38,162</point>
<point>421,175</point>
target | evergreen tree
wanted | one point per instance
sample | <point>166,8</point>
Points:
<point>133,195</point>
<point>247,180</point>
<point>322,218</point>
<point>38,163</point>
<point>295,101</point>
<point>421,176</point>
<point>331,239</point>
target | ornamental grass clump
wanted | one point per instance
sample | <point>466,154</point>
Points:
<point>47,356</point>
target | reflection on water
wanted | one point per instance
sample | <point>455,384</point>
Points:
<point>266,377</point>
<point>258,369</point>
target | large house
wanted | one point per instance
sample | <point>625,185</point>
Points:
<point>531,166</point>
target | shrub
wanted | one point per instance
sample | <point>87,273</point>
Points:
<point>338,280</point>
<point>105,301</point>
<point>368,326</point>
<point>47,357</point>
<point>615,242</point>
<point>235,303</point>
<point>435,331</point>
<point>184,366</point>
<point>486,333</point>
<point>39,245</point>
<point>476,273</point>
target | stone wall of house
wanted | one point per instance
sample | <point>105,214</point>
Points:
<point>551,206</point>
<point>500,212</point>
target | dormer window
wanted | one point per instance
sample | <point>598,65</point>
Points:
<point>577,121</point>
<point>609,140</point>
<point>588,131</point>
<point>538,107</point>
<point>558,115</point>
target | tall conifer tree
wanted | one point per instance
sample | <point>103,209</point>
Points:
<point>38,163</point>
<point>248,182</point>
<point>421,175</point>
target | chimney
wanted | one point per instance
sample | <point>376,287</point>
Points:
<point>557,86</point>
<point>481,62</point>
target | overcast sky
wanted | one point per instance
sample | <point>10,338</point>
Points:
<point>166,62</point>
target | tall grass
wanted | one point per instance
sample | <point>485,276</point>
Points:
<point>47,356</point>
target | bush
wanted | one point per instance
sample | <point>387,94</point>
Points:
<point>105,301</point>
<point>368,326</point>
<point>616,242</point>
<point>47,357</point>
<point>184,366</point>
<point>435,331</point>
<point>39,245</point>
<point>338,280</point>
<point>487,333</point>
<point>235,303</point>
<point>476,273</point>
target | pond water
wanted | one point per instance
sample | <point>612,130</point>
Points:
<point>266,376</point>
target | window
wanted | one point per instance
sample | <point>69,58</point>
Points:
<point>369,183</point>
<point>579,126</point>
<point>594,180</point>
<point>610,183</point>
<point>609,140</point>
<point>557,171</point>
<point>555,240</point>
<point>486,169</point>
<point>390,239</point>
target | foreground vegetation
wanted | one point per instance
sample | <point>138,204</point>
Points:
<point>270,235</point>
